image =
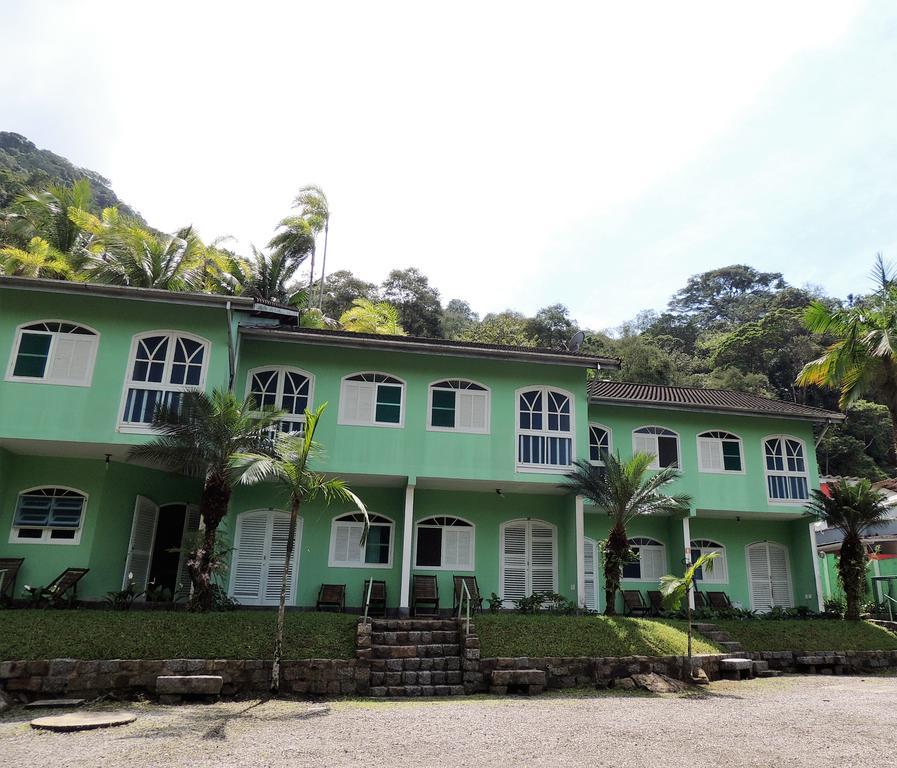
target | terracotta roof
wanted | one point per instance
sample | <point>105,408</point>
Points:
<point>699,399</point>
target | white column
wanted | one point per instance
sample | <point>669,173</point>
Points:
<point>814,553</point>
<point>686,538</point>
<point>876,585</point>
<point>407,533</point>
<point>580,554</point>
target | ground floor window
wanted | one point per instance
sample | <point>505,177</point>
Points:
<point>50,515</point>
<point>444,542</point>
<point>346,548</point>
<point>651,563</point>
<point>719,573</point>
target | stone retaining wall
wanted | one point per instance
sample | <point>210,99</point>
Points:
<point>850,662</point>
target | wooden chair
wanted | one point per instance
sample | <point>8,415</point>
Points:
<point>9,570</point>
<point>719,601</point>
<point>332,596</point>
<point>634,603</point>
<point>55,592</point>
<point>378,597</point>
<point>476,600</point>
<point>425,593</point>
<point>655,600</point>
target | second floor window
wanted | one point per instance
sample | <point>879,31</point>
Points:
<point>599,443</point>
<point>719,452</point>
<point>54,352</point>
<point>372,399</point>
<point>163,366</point>
<point>786,469</point>
<point>457,405</point>
<point>544,428</point>
<point>283,389</point>
<point>659,442</point>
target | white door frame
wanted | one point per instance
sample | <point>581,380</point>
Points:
<point>263,574</point>
<point>527,523</point>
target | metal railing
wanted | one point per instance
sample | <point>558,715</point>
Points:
<point>466,599</point>
<point>890,609</point>
<point>367,600</point>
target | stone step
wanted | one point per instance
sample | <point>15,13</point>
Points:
<point>396,691</point>
<point>432,651</point>
<point>438,664</point>
<point>414,625</point>
<point>704,628</point>
<point>415,637</point>
<point>769,673</point>
<point>392,679</point>
<point>760,666</point>
<point>731,646</point>
<point>718,637</point>
<point>729,665</point>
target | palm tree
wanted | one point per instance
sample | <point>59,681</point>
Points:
<point>315,212</point>
<point>863,359</point>
<point>199,437</point>
<point>289,466</point>
<point>39,259</point>
<point>45,214</point>
<point>294,241</point>
<point>624,490</point>
<point>677,589</point>
<point>852,508</point>
<point>368,316</point>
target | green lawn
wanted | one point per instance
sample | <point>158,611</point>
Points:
<point>810,635</point>
<point>48,634</point>
<point>539,635</point>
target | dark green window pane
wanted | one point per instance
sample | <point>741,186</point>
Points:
<point>32,358</point>
<point>731,456</point>
<point>34,344</point>
<point>443,399</point>
<point>389,394</point>
<point>443,417</point>
<point>387,414</point>
<point>377,547</point>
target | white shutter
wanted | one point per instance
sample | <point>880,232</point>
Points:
<point>357,402</point>
<point>143,537</point>
<point>780,581</point>
<point>720,572</point>
<point>653,562</point>
<point>645,444</point>
<point>188,537</point>
<point>710,454</point>
<point>71,358</point>
<point>758,570</point>
<point>471,411</point>
<point>345,544</point>
<point>542,559</point>
<point>591,583</point>
<point>277,551</point>
<point>457,543</point>
<point>513,570</point>
<point>250,544</point>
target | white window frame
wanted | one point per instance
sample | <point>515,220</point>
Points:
<point>464,567</point>
<point>45,537</point>
<point>552,469</point>
<point>338,521</point>
<point>131,427</point>
<point>655,462</point>
<point>785,472</point>
<point>282,371</point>
<point>483,391</point>
<point>373,422</point>
<point>610,441</point>
<point>54,340</point>
<point>705,437</point>
<point>720,572</point>
<point>654,545</point>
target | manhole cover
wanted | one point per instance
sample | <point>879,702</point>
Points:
<point>83,721</point>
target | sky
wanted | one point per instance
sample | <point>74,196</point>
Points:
<point>519,154</point>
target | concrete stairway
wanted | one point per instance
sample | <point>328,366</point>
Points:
<point>722,639</point>
<point>737,669</point>
<point>416,657</point>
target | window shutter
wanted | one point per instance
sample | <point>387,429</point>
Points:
<point>471,410</point>
<point>645,444</point>
<point>542,565</point>
<point>357,401</point>
<point>778,577</point>
<point>143,537</point>
<point>710,451</point>
<point>653,563</point>
<point>277,551</point>
<point>591,591</point>
<point>513,546</point>
<point>458,548</point>
<point>249,557</point>
<point>758,568</point>
<point>71,359</point>
<point>346,546</point>
<point>191,526</point>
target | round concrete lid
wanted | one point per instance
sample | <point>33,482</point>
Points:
<point>83,721</point>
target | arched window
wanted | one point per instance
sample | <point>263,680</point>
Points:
<point>659,442</point>
<point>786,469</point>
<point>719,452</point>
<point>163,365</point>
<point>49,515</point>
<point>284,389</point>
<point>458,405</point>
<point>651,563</point>
<point>719,573</point>
<point>444,543</point>
<point>346,549</point>
<point>600,442</point>
<point>544,428</point>
<point>372,399</point>
<point>53,352</point>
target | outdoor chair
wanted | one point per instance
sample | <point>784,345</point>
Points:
<point>331,596</point>
<point>719,601</point>
<point>9,569</point>
<point>425,594</point>
<point>476,599</point>
<point>378,597</point>
<point>66,583</point>
<point>701,601</point>
<point>634,603</point>
<point>655,600</point>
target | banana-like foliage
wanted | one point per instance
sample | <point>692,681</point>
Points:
<point>368,316</point>
<point>37,259</point>
<point>45,214</point>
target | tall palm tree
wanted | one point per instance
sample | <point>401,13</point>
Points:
<point>863,359</point>
<point>852,508</point>
<point>199,436</point>
<point>289,467</point>
<point>38,259</point>
<point>624,490</point>
<point>677,589</point>
<point>315,211</point>
<point>368,316</point>
<point>45,214</point>
<point>294,241</point>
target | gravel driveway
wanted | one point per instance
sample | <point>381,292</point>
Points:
<point>791,721</point>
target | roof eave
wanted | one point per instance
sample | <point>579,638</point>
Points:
<point>821,418</point>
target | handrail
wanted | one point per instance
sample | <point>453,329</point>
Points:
<point>367,600</point>
<point>890,610</point>
<point>465,598</point>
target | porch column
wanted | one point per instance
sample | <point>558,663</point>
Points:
<point>686,537</point>
<point>407,533</point>
<point>579,517</point>
<point>814,553</point>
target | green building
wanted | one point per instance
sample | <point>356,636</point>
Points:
<point>457,449</point>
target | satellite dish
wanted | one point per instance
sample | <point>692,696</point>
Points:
<point>576,341</point>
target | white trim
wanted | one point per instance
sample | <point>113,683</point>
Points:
<point>785,472</point>
<point>655,463</point>
<point>610,442</point>
<point>686,543</point>
<point>486,391</point>
<point>407,527</point>
<point>54,340</point>
<point>596,573</point>
<point>734,438</point>
<point>282,370</point>
<point>528,522</point>
<point>723,558</point>
<point>579,529</point>
<point>658,545</point>
<point>814,554</point>
<point>391,524</point>
<point>45,536</point>
<point>263,576</point>
<point>469,567</point>
<point>373,423</point>
<point>553,469</point>
<point>747,565</point>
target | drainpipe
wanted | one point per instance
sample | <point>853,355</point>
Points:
<point>231,351</point>
<point>828,425</point>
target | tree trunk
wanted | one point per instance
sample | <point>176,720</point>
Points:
<point>852,573</point>
<point>281,608</point>
<point>614,554</point>
<point>201,561</point>
<point>311,275</point>
<point>323,263</point>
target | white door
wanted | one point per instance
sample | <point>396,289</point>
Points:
<point>590,561</point>
<point>528,559</point>
<point>769,575</point>
<point>188,538</point>
<point>140,547</point>
<point>259,552</point>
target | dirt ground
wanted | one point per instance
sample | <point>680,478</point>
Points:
<point>789,721</point>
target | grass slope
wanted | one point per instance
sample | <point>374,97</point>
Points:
<point>819,635</point>
<point>519,635</point>
<point>48,634</point>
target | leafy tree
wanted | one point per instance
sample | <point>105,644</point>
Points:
<point>676,590</point>
<point>420,310</point>
<point>294,240</point>
<point>198,437</point>
<point>341,290</point>
<point>367,316</point>
<point>457,318</point>
<point>509,328</point>
<point>861,445</point>
<point>852,508</point>
<point>552,327</point>
<point>730,377</point>
<point>289,468</point>
<point>299,233</point>
<point>45,214</point>
<point>643,360</point>
<point>39,259</point>
<point>623,490</point>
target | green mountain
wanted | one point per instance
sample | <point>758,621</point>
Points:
<point>23,166</point>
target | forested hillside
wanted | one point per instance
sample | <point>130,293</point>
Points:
<point>733,327</point>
